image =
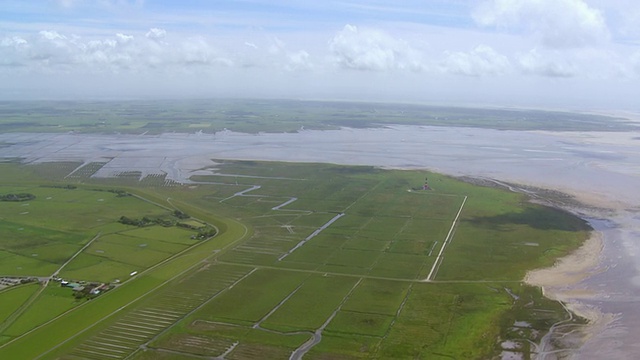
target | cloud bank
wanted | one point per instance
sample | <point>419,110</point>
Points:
<point>455,51</point>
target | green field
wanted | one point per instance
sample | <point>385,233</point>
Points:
<point>253,116</point>
<point>350,255</point>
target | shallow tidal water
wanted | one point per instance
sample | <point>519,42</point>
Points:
<point>600,169</point>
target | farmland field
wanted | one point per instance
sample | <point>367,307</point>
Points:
<point>252,116</point>
<point>308,260</point>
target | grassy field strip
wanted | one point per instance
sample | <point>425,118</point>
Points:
<point>74,256</point>
<point>121,308</point>
<point>54,321</point>
<point>257,177</point>
<point>275,308</point>
<point>152,202</point>
<point>367,286</point>
<point>142,324</point>
<point>317,335</point>
<point>363,196</point>
<point>19,311</point>
<point>313,234</point>
<point>16,314</point>
<point>177,320</point>
<point>447,239</point>
<point>320,272</point>
<point>395,237</point>
<point>242,193</point>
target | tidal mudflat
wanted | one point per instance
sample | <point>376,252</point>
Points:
<point>601,170</point>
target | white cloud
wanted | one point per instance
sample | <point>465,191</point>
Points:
<point>251,45</point>
<point>299,60</point>
<point>198,51</point>
<point>13,50</point>
<point>156,33</point>
<point>14,41</point>
<point>482,60</point>
<point>51,51</point>
<point>124,38</point>
<point>534,63</point>
<point>52,35</point>
<point>557,23</point>
<point>373,50</point>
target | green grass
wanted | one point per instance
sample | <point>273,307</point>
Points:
<point>253,116</point>
<point>384,241</point>
<point>344,346</point>
<point>322,294</point>
<point>265,289</point>
<point>97,268</point>
<point>52,302</point>
<point>359,323</point>
<point>377,297</point>
<point>17,265</point>
<point>12,298</point>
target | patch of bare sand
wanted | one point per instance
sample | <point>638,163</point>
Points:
<point>569,271</point>
<point>561,282</point>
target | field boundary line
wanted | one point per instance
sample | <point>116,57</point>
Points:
<point>146,271</point>
<point>313,234</point>
<point>303,349</point>
<point>447,239</point>
<point>193,311</point>
<point>13,317</point>
<point>121,308</point>
<point>75,255</point>
<point>242,193</point>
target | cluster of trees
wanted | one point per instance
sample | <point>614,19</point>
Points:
<point>68,187</point>
<point>180,215</point>
<point>119,193</point>
<point>17,197</point>
<point>145,221</point>
<point>204,232</point>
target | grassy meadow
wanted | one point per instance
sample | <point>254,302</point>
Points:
<point>350,256</point>
<point>253,116</point>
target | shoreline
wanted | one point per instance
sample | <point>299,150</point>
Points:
<point>562,281</point>
<point>572,172</point>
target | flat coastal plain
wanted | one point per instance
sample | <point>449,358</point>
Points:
<point>596,168</point>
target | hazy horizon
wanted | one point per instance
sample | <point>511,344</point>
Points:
<point>575,54</point>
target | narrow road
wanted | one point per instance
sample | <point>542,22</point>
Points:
<point>74,256</point>
<point>314,234</point>
<point>436,264</point>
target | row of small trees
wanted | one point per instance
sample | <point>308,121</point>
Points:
<point>204,232</point>
<point>145,221</point>
<point>17,197</point>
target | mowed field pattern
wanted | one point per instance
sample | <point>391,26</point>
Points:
<point>336,267</point>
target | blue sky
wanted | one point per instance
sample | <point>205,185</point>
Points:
<point>579,54</point>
